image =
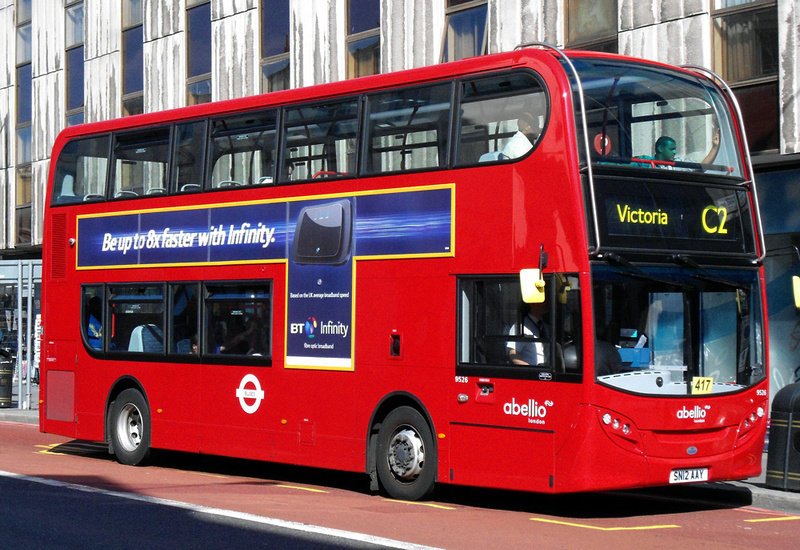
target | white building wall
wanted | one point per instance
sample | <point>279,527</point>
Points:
<point>514,22</point>
<point>164,55</point>
<point>651,30</point>
<point>317,35</point>
<point>102,54</point>
<point>8,52</point>
<point>235,34</point>
<point>411,34</point>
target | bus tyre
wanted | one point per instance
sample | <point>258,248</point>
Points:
<point>406,455</point>
<point>129,421</point>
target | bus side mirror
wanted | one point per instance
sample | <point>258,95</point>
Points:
<point>532,286</point>
<point>796,290</point>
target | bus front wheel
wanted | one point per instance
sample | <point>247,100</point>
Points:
<point>129,420</point>
<point>406,455</point>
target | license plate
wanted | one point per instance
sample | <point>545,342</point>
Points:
<point>688,475</point>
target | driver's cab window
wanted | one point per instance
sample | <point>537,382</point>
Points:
<point>501,335</point>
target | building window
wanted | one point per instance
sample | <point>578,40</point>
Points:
<point>274,45</point>
<point>198,50</point>
<point>74,62</point>
<point>24,112</point>
<point>363,38</point>
<point>592,25</point>
<point>464,29</point>
<point>132,56</point>
<point>746,55</point>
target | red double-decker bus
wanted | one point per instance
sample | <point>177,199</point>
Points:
<point>538,270</point>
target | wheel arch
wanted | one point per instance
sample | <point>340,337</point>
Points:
<point>387,404</point>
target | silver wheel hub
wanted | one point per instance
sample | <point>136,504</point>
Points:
<point>129,427</point>
<point>406,454</point>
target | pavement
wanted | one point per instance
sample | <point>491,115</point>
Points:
<point>749,492</point>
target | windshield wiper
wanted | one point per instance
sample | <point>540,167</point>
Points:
<point>702,273</point>
<point>638,273</point>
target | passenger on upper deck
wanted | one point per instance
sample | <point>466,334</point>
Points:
<point>522,141</point>
<point>666,148</point>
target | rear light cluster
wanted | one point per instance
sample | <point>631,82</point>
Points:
<point>621,430</point>
<point>755,418</point>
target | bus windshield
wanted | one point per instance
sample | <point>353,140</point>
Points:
<point>677,330</point>
<point>650,117</point>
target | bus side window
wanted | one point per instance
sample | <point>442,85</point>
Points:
<point>81,170</point>
<point>93,305</point>
<point>184,318</point>
<point>408,129</point>
<point>320,141</point>
<point>137,318</point>
<point>238,319</point>
<point>243,150</point>
<point>188,163</point>
<point>501,118</point>
<point>140,163</point>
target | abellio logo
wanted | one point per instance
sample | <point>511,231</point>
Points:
<point>698,414</point>
<point>533,410</point>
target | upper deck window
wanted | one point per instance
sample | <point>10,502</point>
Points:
<point>243,150</point>
<point>408,129</point>
<point>501,118</point>
<point>81,171</point>
<point>632,111</point>
<point>140,163</point>
<point>320,140</point>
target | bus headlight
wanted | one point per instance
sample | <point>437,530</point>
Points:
<point>621,430</point>
<point>753,419</point>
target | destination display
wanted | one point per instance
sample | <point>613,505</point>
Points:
<point>678,216</point>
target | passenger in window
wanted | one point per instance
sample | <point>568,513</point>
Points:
<point>533,350</point>
<point>666,149</point>
<point>94,328</point>
<point>248,341</point>
<point>526,135</point>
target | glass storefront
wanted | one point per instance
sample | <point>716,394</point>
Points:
<point>20,322</point>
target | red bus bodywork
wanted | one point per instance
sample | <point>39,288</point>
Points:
<point>405,348</point>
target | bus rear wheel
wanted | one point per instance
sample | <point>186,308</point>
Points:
<point>406,455</point>
<point>129,421</point>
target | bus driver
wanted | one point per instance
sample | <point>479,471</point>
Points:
<point>533,350</point>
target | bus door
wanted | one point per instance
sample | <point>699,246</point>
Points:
<point>236,345</point>
<point>517,383</point>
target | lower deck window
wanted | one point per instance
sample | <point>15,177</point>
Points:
<point>219,321</point>
<point>238,319</point>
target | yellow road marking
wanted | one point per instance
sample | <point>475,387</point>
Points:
<point>428,504</point>
<point>642,528</point>
<point>48,449</point>
<point>301,488</point>
<point>204,474</point>
<point>786,518</point>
